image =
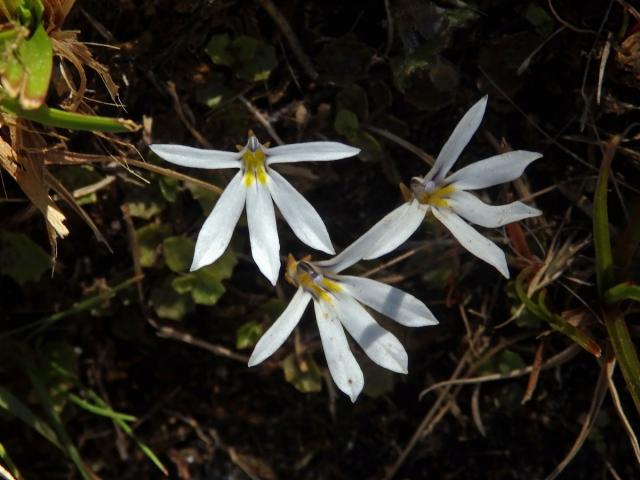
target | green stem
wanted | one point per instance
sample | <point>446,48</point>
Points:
<point>73,121</point>
<point>625,351</point>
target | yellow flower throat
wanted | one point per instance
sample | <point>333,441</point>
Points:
<point>254,164</point>
<point>304,274</point>
<point>436,198</point>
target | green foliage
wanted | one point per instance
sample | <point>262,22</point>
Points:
<point>168,303</point>
<point>249,59</point>
<point>21,258</point>
<point>149,240</point>
<point>248,334</point>
<point>205,284</point>
<point>178,253</point>
<point>145,203</point>
<point>302,372</point>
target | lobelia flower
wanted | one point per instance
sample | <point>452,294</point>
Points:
<point>451,203</point>
<point>259,186</point>
<point>337,303</point>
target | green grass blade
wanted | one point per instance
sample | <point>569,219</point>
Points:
<point>556,322</point>
<point>625,351</point>
<point>98,410</point>
<point>601,234</point>
<point>47,403</point>
<point>15,407</point>
<point>129,431</point>
<point>14,473</point>
<point>53,117</point>
<point>622,291</point>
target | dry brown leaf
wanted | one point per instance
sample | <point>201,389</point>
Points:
<point>29,174</point>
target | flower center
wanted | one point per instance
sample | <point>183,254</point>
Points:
<point>306,275</point>
<point>254,163</point>
<point>430,193</point>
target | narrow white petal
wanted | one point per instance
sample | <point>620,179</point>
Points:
<point>263,235</point>
<point>216,232</point>
<point>472,240</point>
<point>458,140</point>
<point>390,301</point>
<point>397,233</point>
<point>476,211</point>
<point>383,237</point>
<point>281,328</point>
<point>493,170</point>
<point>196,157</point>
<point>344,369</point>
<point>380,345</point>
<point>299,214</point>
<point>310,151</point>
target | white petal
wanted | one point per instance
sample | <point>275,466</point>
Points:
<point>197,157</point>
<point>390,301</point>
<point>493,171</point>
<point>263,234</point>
<point>216,232</point>
<point>380,345</point>
<point>299,214</point>
<point>310,151</point>
<point>343,367</point>
<point>281,328</point>
<point>476,211</point>
<point>383,237</point>
<point>398,231</point>
<point>472,240</point>
<point>458,140</point>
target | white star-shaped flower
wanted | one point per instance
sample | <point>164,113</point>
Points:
<point>259,186</point>
<point>451,203</point>
<point>337,303</point>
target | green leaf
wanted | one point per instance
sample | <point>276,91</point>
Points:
<point>260,67</point>
<point>346,124</point>
<point>625,351</point>
<point>601,234</point>
<point>302,372</point>
<point>205,284</point>
<point>248,334</point>
<point>540,310</point>
<point>354,99</point>
<point>56,422</point>
<point>623,291</point>
<point>15,407</point>
<point>169,188</point>
<point>145,203</point>
<point>100,410</point>
<point>4,455</point>
<point>178,253</point>
<point>149,239</point>
<point>21,258</point>
<point>537,16</point>
<point>218,50</point>
<point>244,48</point>
<point>169,304</point>
<point>36,55</point>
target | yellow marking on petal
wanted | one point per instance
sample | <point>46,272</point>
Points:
<point>437,198</point>
<point>331,285</point>
<point>262,175</point>
<point>248,179</point>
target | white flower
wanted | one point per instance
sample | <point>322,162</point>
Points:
<point>257,184</point>
<point>336,300</point>
<point>451,203</point>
